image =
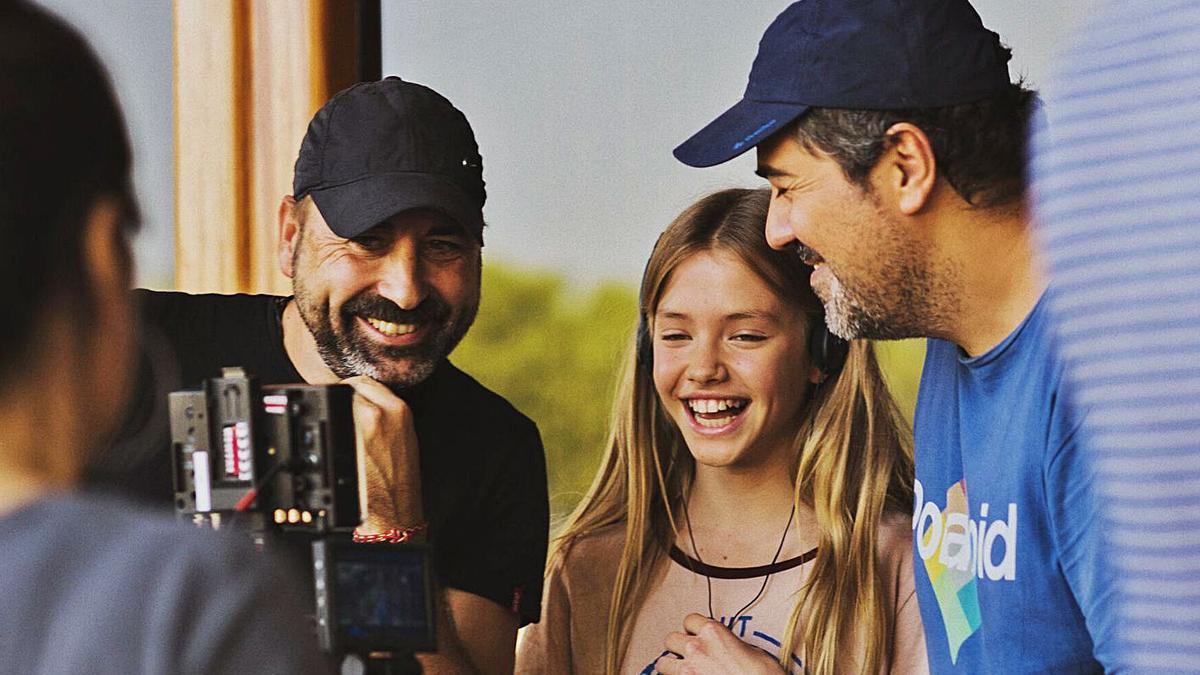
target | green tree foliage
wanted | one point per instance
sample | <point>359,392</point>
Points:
<point>901,362</point>
<point>554,352</point>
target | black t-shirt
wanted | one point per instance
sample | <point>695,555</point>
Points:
<point>483,471</point>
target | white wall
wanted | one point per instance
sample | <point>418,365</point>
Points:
<point>134,40</point>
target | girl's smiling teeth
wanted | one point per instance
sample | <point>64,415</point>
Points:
<point>715,413</point>
<point>391,329</point>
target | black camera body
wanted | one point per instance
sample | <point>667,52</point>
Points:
<point>281,461</point>
<point>290,447</point>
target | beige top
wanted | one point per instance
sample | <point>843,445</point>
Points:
<point>570,636</point>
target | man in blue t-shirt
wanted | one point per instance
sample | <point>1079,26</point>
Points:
<point>894,143</point>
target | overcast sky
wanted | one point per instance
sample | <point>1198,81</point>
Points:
<point>576,106</point>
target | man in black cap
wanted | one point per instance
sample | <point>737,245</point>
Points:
<point>894,143</point>
<point>382,239</point>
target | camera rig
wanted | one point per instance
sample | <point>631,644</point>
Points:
<point>280,462</point>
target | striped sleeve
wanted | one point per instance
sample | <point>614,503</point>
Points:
<point>1116,170</point>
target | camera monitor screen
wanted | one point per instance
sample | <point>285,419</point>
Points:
<point>380,597</point>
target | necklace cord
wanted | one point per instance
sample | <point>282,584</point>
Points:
<point>774,560</point>
<point>708,579</point>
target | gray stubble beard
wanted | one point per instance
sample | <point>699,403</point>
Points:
<point>346,353</point>
<point>907,304</point>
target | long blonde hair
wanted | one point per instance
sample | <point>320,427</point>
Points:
<point>853,460</point>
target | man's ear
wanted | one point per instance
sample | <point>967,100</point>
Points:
<point>106,255</point>
<point>289,233</point>
<point>907,169</point>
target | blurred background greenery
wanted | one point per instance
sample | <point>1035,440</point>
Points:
<point>554,351</point>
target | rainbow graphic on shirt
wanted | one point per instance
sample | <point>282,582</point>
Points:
<point>943,541</point>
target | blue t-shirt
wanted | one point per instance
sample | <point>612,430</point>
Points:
<point>1008,552</point>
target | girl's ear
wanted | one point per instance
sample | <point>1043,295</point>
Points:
<point>815,374</point>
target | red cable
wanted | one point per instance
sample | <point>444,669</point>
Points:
<point>245,502</point>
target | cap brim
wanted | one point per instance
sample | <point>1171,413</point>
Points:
<point>353,208</point>
<point>738,129</point>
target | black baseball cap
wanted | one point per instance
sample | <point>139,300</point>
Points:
<point>379,148</point>
<point>856,54</point>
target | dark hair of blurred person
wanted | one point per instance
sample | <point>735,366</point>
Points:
<point>65,205</point>
<point>87,583</point>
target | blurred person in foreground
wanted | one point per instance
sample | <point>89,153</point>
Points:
<point>894,143</point>
<point>90,584</point>
<point>382,238</point>
<point>758,473</point>
<point>1117,201</point>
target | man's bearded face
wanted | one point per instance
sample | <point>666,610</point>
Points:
<point>392,303</point>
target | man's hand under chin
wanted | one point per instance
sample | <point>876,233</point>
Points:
<point>474,634</point>
<point>389,457</point>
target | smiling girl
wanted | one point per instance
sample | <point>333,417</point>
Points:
<point>752,511</point>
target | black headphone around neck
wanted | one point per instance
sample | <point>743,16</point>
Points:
<point>827,351</point>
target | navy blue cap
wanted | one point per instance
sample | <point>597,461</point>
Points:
<point>379,148</point>
<point>856,54</point>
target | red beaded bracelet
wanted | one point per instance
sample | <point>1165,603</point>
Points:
<point>392,536</point>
